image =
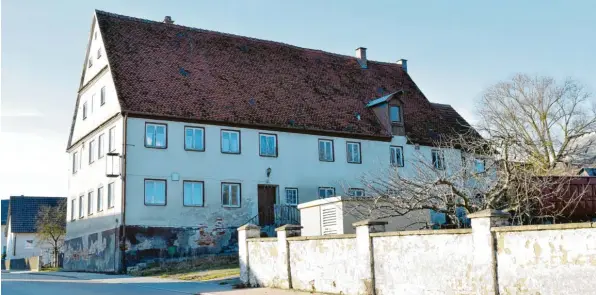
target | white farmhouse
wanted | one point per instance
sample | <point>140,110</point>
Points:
<point>179,135</point>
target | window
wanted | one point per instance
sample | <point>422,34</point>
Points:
<point>438,159</point>
<point>267,145</point>
<point>112,140</point>
<point>90,63</point>
<point>84,110</point>
<point>92,103</point>
<point>230,142</point>
<point>193,193</point>
<point>479,165</point>
<point>92,149</point>
<point>100,146</point>
<point>155,192</point>
<point>230,194</point>
<point>72,209</point>
<point>100,199</point>
<point>155,136</point>
<point>90,203</point>
<point>81,206</point>
<point>95,35</point>
<point>356,192</point>
<point>194,139</point>
<point>75,162</point>
<point>394,114</point>
<point>326,192</point>
<point>110,195</point>
<point>102,96</point>
<point>397,156</point>
<point>28,244</point>
<point>292,196</point>
<point>353,152</point>
<point>326,150</point>
<point>98,52</point>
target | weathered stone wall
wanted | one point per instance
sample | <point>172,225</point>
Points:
<point>323,264</point>
<point>423,263</point>
<point>540,260</point>
<point>95,252</point>
<point>264,270</point>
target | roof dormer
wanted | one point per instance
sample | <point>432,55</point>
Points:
<point>390,112</point>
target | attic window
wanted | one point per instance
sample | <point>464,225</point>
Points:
<point>95,35</point>
<point>394,114</point>
<point>98,52</point>
<point>90,63</point>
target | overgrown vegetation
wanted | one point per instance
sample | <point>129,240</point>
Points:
<point>51,228</point>
<point>199,269</point>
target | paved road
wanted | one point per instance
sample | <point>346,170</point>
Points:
<point>64,283</point>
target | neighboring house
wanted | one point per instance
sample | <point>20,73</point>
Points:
<point>4,213</point>
<point>179,135</point>
<point>587,171</point>
<point>21,227</point>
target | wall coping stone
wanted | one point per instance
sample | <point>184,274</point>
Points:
<point>262,240</point>
<point>289,227</point>
<point>459,231</point>
<point>249,226</point>
<point>369,222</point>
<point>561,226</point>
<point>326,237</point>
<point>489,213</point>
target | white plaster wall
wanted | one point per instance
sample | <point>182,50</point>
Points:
<point>423,264</point>
<point>21,252</point>
<point>100,113</point>
<point>3,235</point>
<point>547,262</point>
<point>324,265</point>
<point>264,268</point>
<point>297,166</point>
<point>94,44</point>
<point>91,177</point>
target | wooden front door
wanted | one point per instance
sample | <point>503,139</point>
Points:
<point>266,203</point>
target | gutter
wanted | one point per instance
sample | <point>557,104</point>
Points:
<point>123,194</point>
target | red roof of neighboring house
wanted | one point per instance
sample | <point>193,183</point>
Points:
<point>177,72</point>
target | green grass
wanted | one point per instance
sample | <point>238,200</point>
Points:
<point>204,270</point>
<point>50,269</point>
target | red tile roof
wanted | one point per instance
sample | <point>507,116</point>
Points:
<point>177,72</point>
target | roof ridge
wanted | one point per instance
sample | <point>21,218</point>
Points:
<point>144,20</point>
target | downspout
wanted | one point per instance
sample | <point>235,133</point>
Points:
<point>123,194</point>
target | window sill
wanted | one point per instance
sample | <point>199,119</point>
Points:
<point>156,147</point>
<point>155,205</point>
<point>230,153</point>
<point>354,162</point>
<point>194,150</point>
<point>199,206</point>
<point>231,206</point>
<point>321,160</point>
<point>268,156</point>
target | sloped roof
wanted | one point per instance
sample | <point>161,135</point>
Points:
<point>4,210</point>
<point>183,73</point>
<point>453,121</point>
<point>23,211</point>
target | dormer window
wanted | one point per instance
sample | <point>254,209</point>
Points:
<point>394,114</point>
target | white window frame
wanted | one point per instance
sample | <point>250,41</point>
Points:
<point>267,152</point>
<point>151,200</point>
<point>356,192</point>
<point>90,203</point>
<point>92,151</point>
<point>328,192</point>
<point>440,156</point>
<point>84,110</point>
<point>73,207</point>
<point>154,136</point>
<point>75,162</point>
<point>98,52</point>
<point>398,114</point>
<point>292,190</point>
<point>101,146</point>
<point>229,148</point>
<point>82,206</point>
<point>112,139</point>
<point>189,187</point>
<point>99,200</point>
<point>92,103</point>
<point>393,158</point>
<point>90,62</point>
<point>229,202</point>
<point>102,96</point>
<point>194,130</point>
<point>350,152</point>
<point>326,152</point>
<point>111,195</point>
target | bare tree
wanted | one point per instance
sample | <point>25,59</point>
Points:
<point>51,227</point>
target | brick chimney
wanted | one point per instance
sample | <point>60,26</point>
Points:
<point>404,64</point>
<point>168,20</point>
<point>361,56</point>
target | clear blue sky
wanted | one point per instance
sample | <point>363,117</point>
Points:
<point>455,50</point>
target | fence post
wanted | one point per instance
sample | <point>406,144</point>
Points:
<point>365,254</point>
<point>485,255</point>
<point>246,232</point>
<point>283,252</point>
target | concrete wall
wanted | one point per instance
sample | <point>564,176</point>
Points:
<point>33,263</point>
<point>487,259</point>
<point>542,260</point>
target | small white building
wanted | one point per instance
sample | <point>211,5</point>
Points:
<point>180,135</point>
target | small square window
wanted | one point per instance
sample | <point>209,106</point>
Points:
<point>84,110</point>
<point>102,98</point>
<point>156,135</point>
<point>193,193</point>
<point>356,192</point>
<point>230,194</point>
<point>112,140</point>
<point>438,159</point>
<point>194,139</point>
<point>292,196</point>
<point>90,203</point>
<point>92,151</point>
<point>81,206</point>
<point>479,165</point>
<point>155,192</point>
<point>100,199</point>
<point>326,192</point>
<point>394,113</point>
<point>353,152</point>
<point>326,150</point>
<point>396,156</point>
<point>230,142</point>
<point>110,195</point>
<point>267,145</point>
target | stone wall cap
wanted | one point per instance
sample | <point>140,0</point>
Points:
<point>289,227</point>
<point>489,213</point>
<point>249,226</point>
<point>369,222</point>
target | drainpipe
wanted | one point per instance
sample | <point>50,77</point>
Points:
<point>123,194</point>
